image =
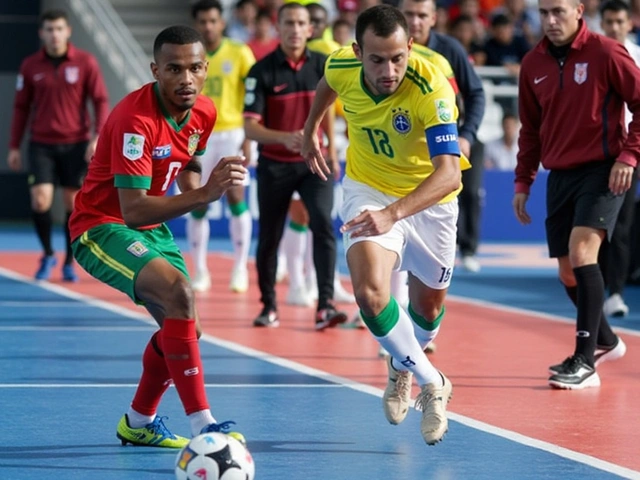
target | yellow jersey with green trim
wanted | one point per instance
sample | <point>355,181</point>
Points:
<point>322,45</point>
<point>228,67</point>
<point>392,138</point>
<point>439,61</point>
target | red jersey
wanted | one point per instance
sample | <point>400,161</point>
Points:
<point>140,146</point>
<point>57,96</point>
<point>572,114</point>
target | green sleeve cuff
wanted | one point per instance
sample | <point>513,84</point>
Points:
<point>132,181</point>
<point>200,152</point>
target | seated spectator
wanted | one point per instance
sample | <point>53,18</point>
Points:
<point>526,19</point>
<point>471,8</point>
<point>242,24</point>
<point>265,40</point>
<point>342,33</point>
<point>501,153</point>
<point>591,15</point>
<point>504,48</point>
<point>442,19</point>
<point>462,30</point>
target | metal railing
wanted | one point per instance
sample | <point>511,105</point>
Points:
<point>114,39</point>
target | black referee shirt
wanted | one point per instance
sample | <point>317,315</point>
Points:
<point>280,92</point>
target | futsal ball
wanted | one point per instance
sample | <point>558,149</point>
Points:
<point>214,456</point>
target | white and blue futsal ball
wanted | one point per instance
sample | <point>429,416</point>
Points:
<point>214,456</point>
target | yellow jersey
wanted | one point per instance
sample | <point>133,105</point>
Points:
<point>392,138</point>
<point>323,45</point>
<point>228,67</point>
<point>439,61</point>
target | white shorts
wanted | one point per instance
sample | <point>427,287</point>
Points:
<point>425,242</point>
<point>219,145</point>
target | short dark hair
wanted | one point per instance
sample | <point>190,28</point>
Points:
<point>51,15</point>
<point>341,22</point>
<point>316,6</point>
<point>205,6</point>
<point>509,115</point>
<point>459,20</point>
<point>500,20</point>
<point>263,13</point>
<point>383,19</point>
<point>615,6</point>
<point>290,6</point>
<point>176,35</point>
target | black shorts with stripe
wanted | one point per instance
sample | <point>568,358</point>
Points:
<point>63,164</point>
<point>579,197</point>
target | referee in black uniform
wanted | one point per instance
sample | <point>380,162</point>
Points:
<point>279,92</point>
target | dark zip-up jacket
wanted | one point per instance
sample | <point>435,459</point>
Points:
<point>469,83</point>
<point>55,98</point>
<point>572,110</point>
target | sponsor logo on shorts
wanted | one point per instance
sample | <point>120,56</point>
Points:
<point>132,146</point>
<point>190,372</point>
<point>137,249</point>
<point>161,152</point>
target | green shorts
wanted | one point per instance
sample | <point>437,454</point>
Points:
<point>115,254</point>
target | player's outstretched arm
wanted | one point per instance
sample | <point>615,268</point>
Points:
<point>139,209</point>
<point>325,96</point>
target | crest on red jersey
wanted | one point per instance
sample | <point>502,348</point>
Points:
<point>71,74</point>
<point>580,73</point>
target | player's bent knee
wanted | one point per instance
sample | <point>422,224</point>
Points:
<point>180,298</point>
<point>371,300</point>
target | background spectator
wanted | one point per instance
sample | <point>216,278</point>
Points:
<point>501,153</point>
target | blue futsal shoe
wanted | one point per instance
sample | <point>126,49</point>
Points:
<point>46,265</point>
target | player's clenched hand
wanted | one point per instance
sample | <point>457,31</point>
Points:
<point>313,157</point>
<point>293,141</point>
<point>369,224</point>
<point>229,172</point>
<point>520,208</point>
<point>620,178</point>
<point>14,160</point>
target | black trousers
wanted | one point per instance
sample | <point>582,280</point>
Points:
<point>276,183</point>
<point>615,256</point>
<point>470,202</point>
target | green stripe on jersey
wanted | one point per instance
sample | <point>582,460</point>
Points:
<point>132,181</point>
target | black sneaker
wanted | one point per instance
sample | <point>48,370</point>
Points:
<point>560,367</point>
<point>268,318</point>
<point>329,317</point>
<point>576,375</point>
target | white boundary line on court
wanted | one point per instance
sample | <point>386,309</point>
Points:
<point>531,313</point>
<point>469,422</point>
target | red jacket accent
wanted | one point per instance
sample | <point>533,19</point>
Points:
<point>574,114</point>
<point>56,98</point>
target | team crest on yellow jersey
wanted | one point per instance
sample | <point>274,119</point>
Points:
<point>401,120</point>
<point>227,66</point>
<point>444,110</point>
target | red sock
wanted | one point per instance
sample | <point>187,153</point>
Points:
<point>155,378</point>
<point>182,356</point>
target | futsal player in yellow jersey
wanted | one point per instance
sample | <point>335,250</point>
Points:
<point>229,63</point>
<point>400,208</point>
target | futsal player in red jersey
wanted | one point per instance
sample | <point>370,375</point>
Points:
<point>153,137</point>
